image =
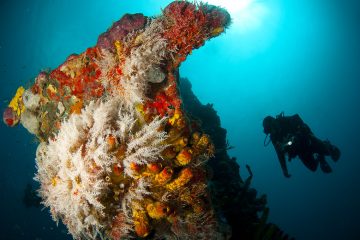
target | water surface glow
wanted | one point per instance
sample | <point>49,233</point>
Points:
<point>247,15</point>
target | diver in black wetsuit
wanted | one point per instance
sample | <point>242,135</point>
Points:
<point>292,137</point>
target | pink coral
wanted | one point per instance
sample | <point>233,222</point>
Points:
<point>118,31</point>
<point>9,117</point>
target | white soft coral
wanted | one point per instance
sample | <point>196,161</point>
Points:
<point>143,64</point>
<point>139,62</point>
<point>73,168</point>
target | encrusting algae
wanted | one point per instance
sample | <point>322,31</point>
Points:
<point>15,108</point>
<point>16,104</point>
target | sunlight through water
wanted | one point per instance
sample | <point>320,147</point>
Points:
<point>246,15</point>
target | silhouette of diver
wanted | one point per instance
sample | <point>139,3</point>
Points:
<point>30,198</point>
<point>292,137</point>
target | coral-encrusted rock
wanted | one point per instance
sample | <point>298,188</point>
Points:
<point>127,24</point>
<point>192,23</point>
<point>118,156</point>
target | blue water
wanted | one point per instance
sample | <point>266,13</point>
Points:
<point>302,57</point>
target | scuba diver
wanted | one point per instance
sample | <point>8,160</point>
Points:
<point>292,137</point>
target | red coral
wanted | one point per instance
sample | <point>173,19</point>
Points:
<point>118,226</point>
<point>188,27</point>
<point>163,104</point>
<point>9,117</point>
<point>60,76</point>
<point>191,25</point>
<point>216,17</point>
<point>85,84</point>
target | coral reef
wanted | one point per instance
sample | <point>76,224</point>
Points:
<point>120,155</point>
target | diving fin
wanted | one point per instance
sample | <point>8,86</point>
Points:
<point>333,150</point>
<point>335,153</point>
<point>325,167</point>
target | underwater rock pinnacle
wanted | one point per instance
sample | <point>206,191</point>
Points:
<point>118,155</point>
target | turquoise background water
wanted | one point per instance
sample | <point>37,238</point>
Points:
<point>300,56</point>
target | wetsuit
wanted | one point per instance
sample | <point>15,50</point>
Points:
<point>291,136</point>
